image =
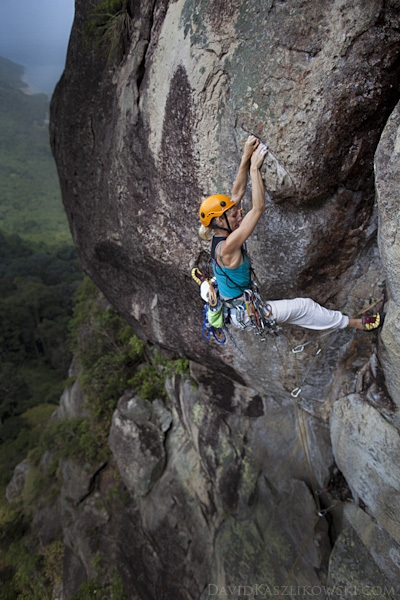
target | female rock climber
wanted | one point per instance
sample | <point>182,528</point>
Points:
<point>222,223</point>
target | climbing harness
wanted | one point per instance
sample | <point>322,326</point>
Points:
<point>248,311</point>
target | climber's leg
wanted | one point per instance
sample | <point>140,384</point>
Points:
<point>304,312</point>
<point>357,323</point>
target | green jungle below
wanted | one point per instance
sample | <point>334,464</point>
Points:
<point>51,314</point>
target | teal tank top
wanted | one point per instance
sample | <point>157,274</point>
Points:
<point>233,282</point>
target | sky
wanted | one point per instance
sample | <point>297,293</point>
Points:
<point>35,34</point>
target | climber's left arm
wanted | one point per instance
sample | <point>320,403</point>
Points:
<point>239,187</point>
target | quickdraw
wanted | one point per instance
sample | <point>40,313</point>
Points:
<point>259,312</point>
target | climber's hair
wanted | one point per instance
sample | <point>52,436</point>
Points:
<point>206,233</point>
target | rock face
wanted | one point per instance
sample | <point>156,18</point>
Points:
<point>387,185</point>
<point>137,444</point>
<point>17,483</point>
<point>367,449</point>
<point>225,495</point>
<point>154,134</point>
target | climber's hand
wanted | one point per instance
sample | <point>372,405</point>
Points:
<point>258,155</point>
<point>250,146</point>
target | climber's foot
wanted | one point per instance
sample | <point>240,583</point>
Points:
<point>372,322</point>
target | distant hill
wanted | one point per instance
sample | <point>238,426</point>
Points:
<point>11,73</point>
<point>30,197</point>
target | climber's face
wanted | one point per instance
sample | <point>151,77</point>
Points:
<point>235,217</point>
<point>230,220</point>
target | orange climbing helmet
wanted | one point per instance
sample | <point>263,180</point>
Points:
<point>214,206</point>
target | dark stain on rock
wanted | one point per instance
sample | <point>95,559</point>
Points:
<point>114,255</point>
<point>229,485</point>
<point>179,167</point>
<point>177,140</point>
<point>254,408</point>
<point>220,389</point>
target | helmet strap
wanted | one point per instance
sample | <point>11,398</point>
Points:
<point>227,222</point>
<point>228,229</point>
<point>220,227</point>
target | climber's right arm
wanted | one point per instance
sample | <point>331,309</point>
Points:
<point>237,238</point>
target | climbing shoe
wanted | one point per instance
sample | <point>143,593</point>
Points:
<point>371,322</point>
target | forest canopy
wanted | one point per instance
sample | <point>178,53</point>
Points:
<point>39,268</point>
<point>30,194</point>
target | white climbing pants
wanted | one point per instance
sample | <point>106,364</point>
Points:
<point>304,312</point>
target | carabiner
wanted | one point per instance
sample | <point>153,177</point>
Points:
<point>296,392</point>
<point>298,348</point>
